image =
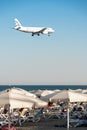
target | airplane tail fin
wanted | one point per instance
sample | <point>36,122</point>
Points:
<point>17,23</point>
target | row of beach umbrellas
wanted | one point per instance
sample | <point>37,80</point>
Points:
<point>18,98</point>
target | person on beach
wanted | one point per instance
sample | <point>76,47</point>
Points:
<point>24,112</point>
<point>38,114</point>
<point>49,103</point>
<point>82,121</point>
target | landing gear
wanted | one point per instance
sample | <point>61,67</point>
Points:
<point>32,34</point>
<point>38,34</point>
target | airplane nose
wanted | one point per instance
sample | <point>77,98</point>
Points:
<point>53,30</point>
<point>50,30</point>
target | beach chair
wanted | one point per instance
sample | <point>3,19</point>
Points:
<point>81,123</point>
<point>4,119</point>
<point>37,117</point>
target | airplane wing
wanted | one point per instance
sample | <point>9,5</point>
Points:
<point>42,30</point>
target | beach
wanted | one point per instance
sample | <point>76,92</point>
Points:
<point>47,125</point>
<point>41,115</point>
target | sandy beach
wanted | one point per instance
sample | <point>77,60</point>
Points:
<point>47,125</point>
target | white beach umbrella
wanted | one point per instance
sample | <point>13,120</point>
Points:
<point>69,96</point>
<point>46,92</point>
<point>47,97</point>
<point>25,92</point>
<point>38,92</point>
<point>19,98</point>
<point>16,98</point>
<point>84,91</point>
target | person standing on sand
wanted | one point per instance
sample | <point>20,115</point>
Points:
<point>49,103</point>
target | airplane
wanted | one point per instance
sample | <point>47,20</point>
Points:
<point>32,30</point>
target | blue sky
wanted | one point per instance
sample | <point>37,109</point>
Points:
<point>58,59</point>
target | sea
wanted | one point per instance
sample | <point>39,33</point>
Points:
<point>43,87</point>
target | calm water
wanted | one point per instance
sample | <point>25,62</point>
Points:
<point>43,87</point>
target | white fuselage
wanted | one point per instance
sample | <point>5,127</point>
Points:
<point>30,29</point>
<point>35,30</point>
